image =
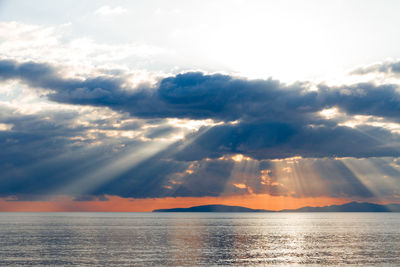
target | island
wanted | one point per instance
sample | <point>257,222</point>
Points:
<point>348,207</point>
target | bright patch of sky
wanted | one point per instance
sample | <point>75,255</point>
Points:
<point>288,40</point>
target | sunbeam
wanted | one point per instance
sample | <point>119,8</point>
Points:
<point>117,166</point>
<point>372,176</point>
<point>243,175</point>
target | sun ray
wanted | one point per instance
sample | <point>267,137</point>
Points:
<point>95,178</point>
<point>371,175</point>
<point>365,172</point>
<point>243,174</point>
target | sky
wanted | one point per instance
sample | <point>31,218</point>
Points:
<point>141,105</point>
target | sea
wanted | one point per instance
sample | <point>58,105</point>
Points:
<point>199,239</point>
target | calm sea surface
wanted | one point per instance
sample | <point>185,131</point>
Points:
<point>199,239</point>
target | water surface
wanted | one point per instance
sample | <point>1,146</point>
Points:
<point>199,239</point>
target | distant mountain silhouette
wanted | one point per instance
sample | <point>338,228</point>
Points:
<point>211,208</point>
<point>348,207</point>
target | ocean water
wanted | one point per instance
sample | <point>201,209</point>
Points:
<point>199,239</point>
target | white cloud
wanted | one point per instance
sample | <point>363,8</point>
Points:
<point>110,11</point>
<point>77,55</point>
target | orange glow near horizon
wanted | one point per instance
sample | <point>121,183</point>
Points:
<point>119,204</point>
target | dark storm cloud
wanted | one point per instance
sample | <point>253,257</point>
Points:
<point>280,140</point>
<point>104,90</point>
<point>195,95</point>
<point>276,120</point>
<point>35,165</point>
<point>263,119</point>
<point>40,156</point>
<point>364,99</point>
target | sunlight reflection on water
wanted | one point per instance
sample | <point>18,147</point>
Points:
<point>193,239</point>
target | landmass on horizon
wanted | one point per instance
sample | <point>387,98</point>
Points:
<point>348,207</point>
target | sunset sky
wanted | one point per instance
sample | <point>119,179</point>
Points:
<point>141,105</point>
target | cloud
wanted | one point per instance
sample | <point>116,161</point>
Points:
<point>79,55</point>
<point>195,95</point>
<point>260,120</point>
<point>388,67</point>
<point>45,152</point>
<point>110,11</point>
<point>44,76</point>
<point>281,140</point>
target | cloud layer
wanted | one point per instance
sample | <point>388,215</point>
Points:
<point>262,119</point>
